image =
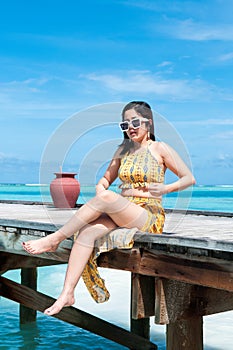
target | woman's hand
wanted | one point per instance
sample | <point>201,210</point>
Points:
<point>157,189</point>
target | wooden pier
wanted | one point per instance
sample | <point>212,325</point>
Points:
<point>177,277</point>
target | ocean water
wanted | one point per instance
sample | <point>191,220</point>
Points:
<point>210,198</point>
<point>49,332</point>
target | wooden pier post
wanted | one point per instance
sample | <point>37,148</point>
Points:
<point>142,304</point>
<point>179,306</point>
<point>185,334</point>
<point>28,279</point>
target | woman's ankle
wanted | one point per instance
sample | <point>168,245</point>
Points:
<point>67,293</point>
<point>59,236</point>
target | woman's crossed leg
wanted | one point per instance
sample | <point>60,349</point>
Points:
<point>122,212</point>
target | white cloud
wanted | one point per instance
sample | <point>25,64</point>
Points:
<point>209,122</point>
<point>223,160</point>
<point>190,30</point>
<point>33,97</point>
<point>227,135</point>
<point>136,82</point>
<point>164,64</point>
<point>226,57</point>
<point>172,7</point>
<point>23,86</point>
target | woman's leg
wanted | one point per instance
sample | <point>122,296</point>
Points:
<point>80,253</point>
<point>118,208</point>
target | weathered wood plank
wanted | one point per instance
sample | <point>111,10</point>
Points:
<point>128,260</point>
<point>210,273</point>
<point>29,225</point>
<point>12,243</point>
<point>200,212</point>
<point>10,261</point>
<point>195,229</point>
<point>210,301</point>
<point>142,296</point>
<point>79,318</point>
<point>187,239</point>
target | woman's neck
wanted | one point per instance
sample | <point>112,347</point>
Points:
<point>142,144</point>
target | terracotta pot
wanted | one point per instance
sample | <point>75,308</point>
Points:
<point>64,190</point>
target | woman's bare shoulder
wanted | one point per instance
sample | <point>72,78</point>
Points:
<point>157,145</point>
<point>161,147</point>
<point>157,150</point>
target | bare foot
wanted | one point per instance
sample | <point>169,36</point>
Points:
<point>62,301</point>
<point>42,245</point>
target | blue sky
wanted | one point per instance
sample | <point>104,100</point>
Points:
<point>58,58</point>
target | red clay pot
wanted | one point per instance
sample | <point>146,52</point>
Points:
<point>64,190</point>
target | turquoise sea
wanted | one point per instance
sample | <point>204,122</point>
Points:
<point>210,198</point>
<point>49,332</point>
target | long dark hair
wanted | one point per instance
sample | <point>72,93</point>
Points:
<point>144,109</point>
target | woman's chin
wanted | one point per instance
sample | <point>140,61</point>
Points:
<point>134,137</point>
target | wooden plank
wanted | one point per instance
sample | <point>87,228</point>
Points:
<point>206,243</point>
<point>210,301</point>
<point>32,225</point>
<point>167,210</point>
<point>128,259</point>
<point>185,334</point>
<point>10,261</point>
<point>200,212</point>
<point>11,242</point>
<point>161,311</point>
<point>142,296</point>
<point>195,230</point>
<point>210,272</point>
<point>79,318</point>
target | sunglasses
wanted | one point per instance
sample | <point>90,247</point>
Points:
<point>136,123</point>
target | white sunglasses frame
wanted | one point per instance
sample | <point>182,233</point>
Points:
<point>131,123</point>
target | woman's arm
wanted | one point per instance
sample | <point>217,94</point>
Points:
<point>110,174</point>
<point>173,162</point>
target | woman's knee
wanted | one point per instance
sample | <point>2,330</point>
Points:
<point>96,229</point>
<point>85,239</point>
<point>107,197</point>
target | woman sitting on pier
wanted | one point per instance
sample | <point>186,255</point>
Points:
<point>140,162</point>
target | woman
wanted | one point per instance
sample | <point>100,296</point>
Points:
<point>140,162</point>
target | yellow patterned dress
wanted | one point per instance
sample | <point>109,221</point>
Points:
<point>140,169</point>
<point>137,169</point>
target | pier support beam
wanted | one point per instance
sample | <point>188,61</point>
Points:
<point>185,334</point>
<point>142,304</point>
<point>76,317</point>
<point>179,306</point>
<point>28,279</point>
